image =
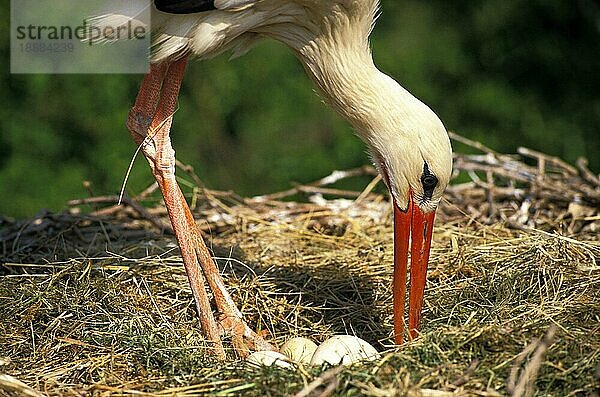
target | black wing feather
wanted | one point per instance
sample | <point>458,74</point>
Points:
<point>184,6</point>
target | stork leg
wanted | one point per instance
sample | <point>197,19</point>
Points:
<point>149,123</point>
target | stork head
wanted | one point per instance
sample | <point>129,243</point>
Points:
<point>407,141</point>
<point>411,149</point>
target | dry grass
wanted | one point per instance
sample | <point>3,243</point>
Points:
<point>100,305</point>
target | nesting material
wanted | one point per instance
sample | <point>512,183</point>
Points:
<point>99,304</point>
<point>299,349</point>
<point>344,350</point>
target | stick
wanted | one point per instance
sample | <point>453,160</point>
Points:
<point>329,376</point>
<point>143,212</point>
<point>473,144</point>
<point>523,151</point>
<point>334,177</point>
<point>582,164</point>
<point>526,382</point>
<point>8,383</point>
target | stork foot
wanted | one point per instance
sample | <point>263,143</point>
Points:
<point>243,338</point>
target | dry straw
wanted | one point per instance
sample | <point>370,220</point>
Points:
<point>98,303</point>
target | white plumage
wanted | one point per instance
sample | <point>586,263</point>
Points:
<point>331,39</point>
<point>407,141</point>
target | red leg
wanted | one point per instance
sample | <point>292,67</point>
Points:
<point>149,123</point>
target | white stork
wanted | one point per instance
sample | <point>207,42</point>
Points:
<point>407,141</point>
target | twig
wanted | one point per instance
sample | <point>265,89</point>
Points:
<point>328,191</point>
<point>11,384</point>
<point>473,144</point>
<point>332,178</point>
<point>559,187</point>
<point>143,212</point>
<point>367,190</point>
<point>328,377</point>
<point>146,192</point>
<point>189,169</point>
<point>490,193</point>
<point>526,381</point>
<point>523,151</point>
<point>464,378</point>
<point>582,164</point>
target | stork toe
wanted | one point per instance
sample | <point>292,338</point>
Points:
<point>242,336</point>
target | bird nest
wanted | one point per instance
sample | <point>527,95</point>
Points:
<point>95,300</point>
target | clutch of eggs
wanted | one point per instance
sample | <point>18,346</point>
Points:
<point>337,350</point>
<point>344,350</point>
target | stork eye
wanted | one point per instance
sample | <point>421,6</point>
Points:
<point>429,182</point>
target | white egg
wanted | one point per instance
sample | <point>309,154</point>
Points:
<point>345,350</point>
<point>299,350</point>
<point>268,358</point>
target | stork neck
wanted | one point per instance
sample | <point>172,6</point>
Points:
<point>355,88</point>
<point>347,78</point>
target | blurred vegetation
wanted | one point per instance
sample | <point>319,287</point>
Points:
<point>508,73</point>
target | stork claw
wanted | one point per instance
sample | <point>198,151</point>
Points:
<point>243,338</point>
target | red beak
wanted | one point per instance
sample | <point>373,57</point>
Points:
<point>420,224</point>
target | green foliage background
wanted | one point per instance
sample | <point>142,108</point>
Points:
<point>508,73</point>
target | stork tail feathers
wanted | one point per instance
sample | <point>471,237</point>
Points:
<point>117,14</point>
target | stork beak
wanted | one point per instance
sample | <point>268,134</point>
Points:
<point>412,221</point>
